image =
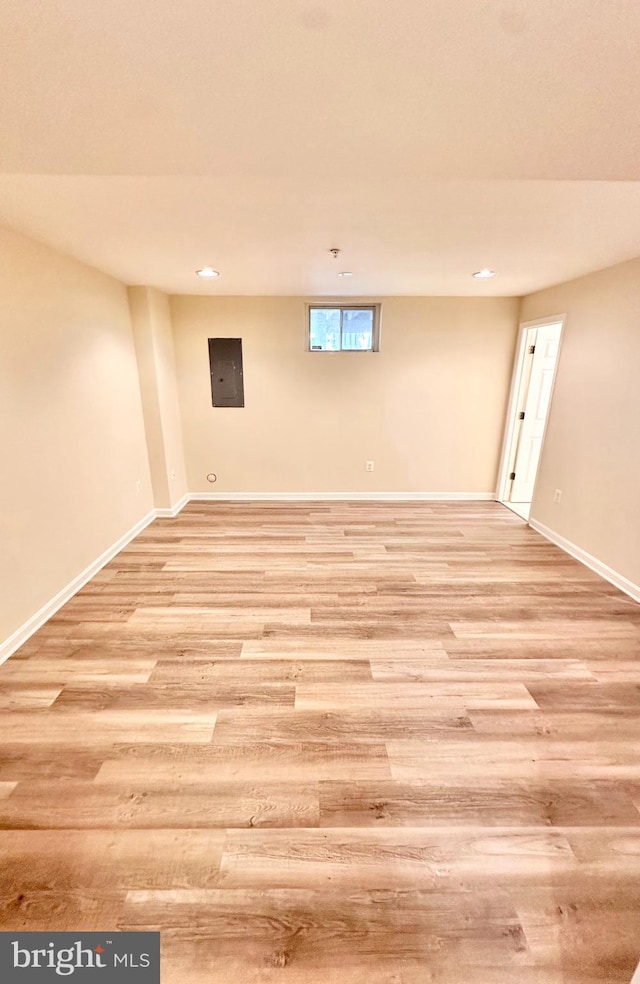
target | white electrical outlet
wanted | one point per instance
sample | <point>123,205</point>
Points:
<point>138,486</point>
<point>557,495</point>
<point>370,465</point>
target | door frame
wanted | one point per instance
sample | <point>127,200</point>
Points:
<point>511,432</point>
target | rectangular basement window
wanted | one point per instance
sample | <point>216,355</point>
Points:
<point>344,327</point>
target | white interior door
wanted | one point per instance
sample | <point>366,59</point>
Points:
<point>536,407</point>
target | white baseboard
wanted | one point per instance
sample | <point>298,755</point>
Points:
<point>618,580</point>
<point>173,511</point>
<point>27,629</point>
<point>342,496</point>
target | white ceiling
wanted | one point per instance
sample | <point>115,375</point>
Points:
<point>426,138</point>
<point>272,236</point>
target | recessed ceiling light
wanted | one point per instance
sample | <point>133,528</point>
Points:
<point>484,274</point>
<point>345,273</point>
<point>208,272</point>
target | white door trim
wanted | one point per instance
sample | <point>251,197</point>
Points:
<point>508,444</point>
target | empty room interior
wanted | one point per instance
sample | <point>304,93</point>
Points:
<point>320,491</point>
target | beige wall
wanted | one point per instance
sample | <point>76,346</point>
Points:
<point>428,408</point>
<point>592,445</point>
<point>151,321</point>
<point>71,429</point>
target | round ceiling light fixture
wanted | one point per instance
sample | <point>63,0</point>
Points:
<point>484,274</point>
<point>208,272</point>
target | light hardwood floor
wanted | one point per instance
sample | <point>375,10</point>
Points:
<point>317,742</point>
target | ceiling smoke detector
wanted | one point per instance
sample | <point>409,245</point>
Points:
<point>335,252</point>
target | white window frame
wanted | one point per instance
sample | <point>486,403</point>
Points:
<point>374,306</point>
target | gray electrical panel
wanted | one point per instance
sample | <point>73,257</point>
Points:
<point>225,364</point>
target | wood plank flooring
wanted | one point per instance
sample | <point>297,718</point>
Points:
<point>391,743</point>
